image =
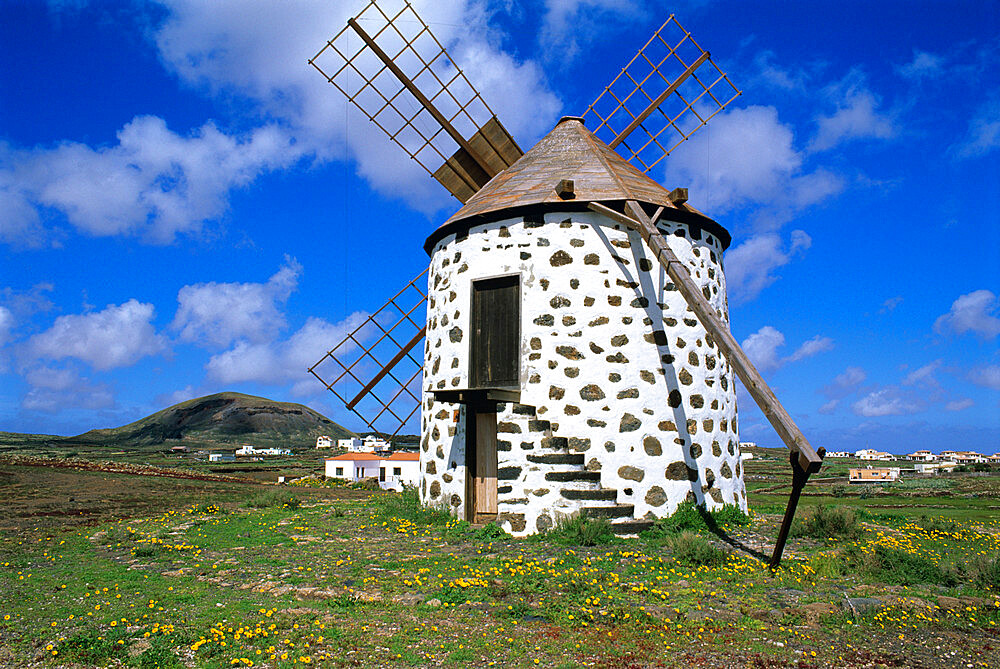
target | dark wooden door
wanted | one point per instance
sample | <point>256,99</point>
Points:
<point>496,332</point>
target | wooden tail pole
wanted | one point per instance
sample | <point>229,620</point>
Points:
<point>805,460</point>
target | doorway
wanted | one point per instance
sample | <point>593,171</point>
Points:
<point>494,364</point>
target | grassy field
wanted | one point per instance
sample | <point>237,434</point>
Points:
<point>117,570</point>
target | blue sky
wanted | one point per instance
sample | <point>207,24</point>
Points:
<point>187,207</point>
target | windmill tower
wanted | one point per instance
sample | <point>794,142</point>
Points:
<point>577,356</point>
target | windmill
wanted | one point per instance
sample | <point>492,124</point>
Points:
<point>577,356</point>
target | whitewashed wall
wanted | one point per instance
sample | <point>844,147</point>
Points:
<point>615,368</point>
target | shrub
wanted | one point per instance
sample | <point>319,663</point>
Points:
<point>406,505</point>
<point>274,498</point>
<point>898,567</point>
<point>691,517</point>
<point>839,490</point>
<point>580,530</point>
<point>937,524</point>
<point>692,549</point>
<point>823,522</point>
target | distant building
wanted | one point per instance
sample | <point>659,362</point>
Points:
<point>872,454</point>
<point>221,457</point>
<point>746,455</point>
<point>968,457</point>
<point>874,475</point>
<point>748,444</point>
<point>921,456</point>
<point>369,444</point>
<point>324,441</point>
<point>839,454</point>
<point>393,471</point>
<point>179,449</point>
<point>252,450</point>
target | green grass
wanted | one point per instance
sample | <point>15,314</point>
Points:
<point>827,522</point>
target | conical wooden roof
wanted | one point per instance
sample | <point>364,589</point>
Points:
<point>569,151</point>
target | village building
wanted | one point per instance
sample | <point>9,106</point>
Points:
<point>921,456</point>
<point>394,472</point>
<point>324,441</point>
<point>839,454</point>
<point>248,449</point>
<point>221,457</point>
<point>874,475</point>
<point>968,457</point>
<point>872,454</point>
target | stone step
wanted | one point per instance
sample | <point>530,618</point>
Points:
<point>574,476</point>
<point>557,459</point>
<point>604,494</point>
<point>616,511</point>
<point>630,528</point>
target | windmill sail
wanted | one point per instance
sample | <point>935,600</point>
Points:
<point>392,68</point>
<point>669,90</point>
<point>374,370</point>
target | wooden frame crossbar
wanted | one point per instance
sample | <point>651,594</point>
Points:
<point>668,66</point>
<point>355,357</point>
<point>429,125</point>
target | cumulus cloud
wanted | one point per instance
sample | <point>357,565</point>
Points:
<point>891,304</point>
<point>887,401</point>
<point>217,314</point>
<point>845,383</point>
<point>987,376</point>
<point>568,24</point>
<point>747,156</point>
<point>118,336</point>
<point>972,312</point>
<point>750,266</point>
<point>285,360</point>
<point>923,376</point>
<point>56,389</point>
<point>857,116</point>
<point>153,182</point>
<point>762,348</point>
<point>983,134</point>
<point>925,65</point>
<point>959,405</point>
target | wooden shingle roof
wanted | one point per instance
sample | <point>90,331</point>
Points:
<point>568,152</point>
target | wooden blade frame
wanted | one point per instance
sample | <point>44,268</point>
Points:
<point>804,459</point>
<point>669,77</point>
<point>391,354</point>
<point>404,81</point>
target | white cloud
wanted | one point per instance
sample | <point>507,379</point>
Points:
<point>217,314</point>
<point>924,65</point>
<point>923,376</point>
<point>856,117</point>
<point>750,266</point>
<point>891,304</point>
<point>118,336</point>
<point>845,383</point>
<point>176,397</point>
<point>154,182</point>
<point>568,24</point>
<point>746,156</point>
<point>829,407</point>
<point>959,405</point>
<point>987,376</point>
<point>54,389</point>
<point>983,134</point>
<point>972,312</point>
<point>885,402</point>
<point>769,74</point>
<point>282,361</point>
<point>259,51</point>
<point>762,348</point>
<point>6,325</point>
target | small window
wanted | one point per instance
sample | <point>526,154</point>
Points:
<point>396,471</point>
<point>340,471</point>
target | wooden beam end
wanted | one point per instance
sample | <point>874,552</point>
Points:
<point>678,196</point>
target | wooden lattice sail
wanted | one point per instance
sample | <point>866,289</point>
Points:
<point>669,90</point>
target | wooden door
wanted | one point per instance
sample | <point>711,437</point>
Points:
<point>481,454</point>
<point>496,332</point>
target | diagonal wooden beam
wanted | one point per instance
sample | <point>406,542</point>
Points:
<point>388,367</point>
<point>805,460</point>
<point>421,98</point>
<point>658,100</point>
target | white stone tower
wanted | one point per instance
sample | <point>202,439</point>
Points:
<point>563,371</point>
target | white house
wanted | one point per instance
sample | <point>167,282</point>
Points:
<point>252,450</point>
<point>370,444</point>
<point>839,454</point>
<point>875,475</point>
<point>324,441</point>
<point>921,456</point>
<point>393,471</point>
<point>221,457</point>
<point>968,457</point>
<point>872,454</point>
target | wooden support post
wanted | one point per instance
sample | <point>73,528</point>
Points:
<point>421,98</point>
<point>799,479</point>
<point>804,457</point>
